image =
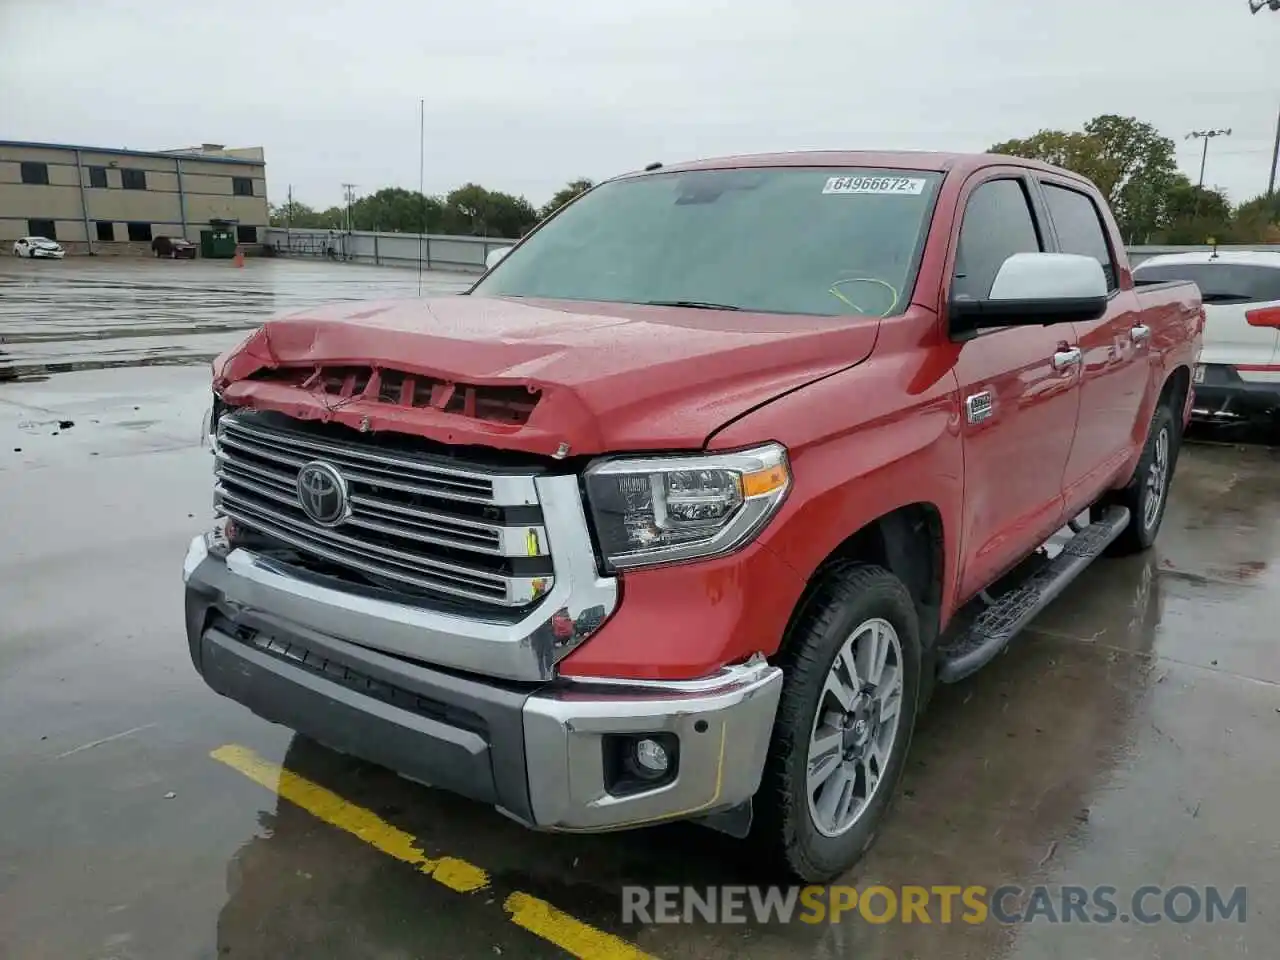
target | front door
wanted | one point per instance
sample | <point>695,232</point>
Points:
<point>1019,391</point>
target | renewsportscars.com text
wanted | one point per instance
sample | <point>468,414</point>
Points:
<point>941,904</point>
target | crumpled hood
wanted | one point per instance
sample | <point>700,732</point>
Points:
<point>598,377</point>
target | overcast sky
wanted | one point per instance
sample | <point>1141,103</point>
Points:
<point>523,95</point>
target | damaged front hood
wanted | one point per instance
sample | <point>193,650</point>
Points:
<point>535,375</point>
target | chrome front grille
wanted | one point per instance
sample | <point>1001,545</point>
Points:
<point>412,521</point>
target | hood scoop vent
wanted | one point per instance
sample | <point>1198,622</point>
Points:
<point>511,405</point>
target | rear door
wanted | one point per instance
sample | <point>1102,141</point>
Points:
<point>1115,347</point>
<point>1019,392</point>
<point>1242,314</point>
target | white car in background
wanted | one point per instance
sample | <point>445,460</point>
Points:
<point>1238,377</point>
<point>38,247</point>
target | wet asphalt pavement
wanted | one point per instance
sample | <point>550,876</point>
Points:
<point>109,312</point>
<point>1131,738</point>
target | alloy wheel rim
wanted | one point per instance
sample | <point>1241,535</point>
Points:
<point>1157,480</point>
<point>855,727</point>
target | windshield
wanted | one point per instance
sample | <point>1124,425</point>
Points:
<point>779,240</point>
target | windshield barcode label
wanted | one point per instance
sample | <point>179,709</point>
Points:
<point>912,186</point>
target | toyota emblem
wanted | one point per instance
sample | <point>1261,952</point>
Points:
<point>322,491</point>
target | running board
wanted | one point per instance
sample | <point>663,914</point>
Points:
<point>999,623</point>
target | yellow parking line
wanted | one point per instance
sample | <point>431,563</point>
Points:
<point>369,827</point>
<point>572,936</point>
<point>537,916</point>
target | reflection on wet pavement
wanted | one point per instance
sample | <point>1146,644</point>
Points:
<point>88,314</point>
<point>1129,738</point>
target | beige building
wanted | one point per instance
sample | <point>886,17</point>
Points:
<point>92,199</point>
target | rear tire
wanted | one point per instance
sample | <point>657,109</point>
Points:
<point>844,723</point>
<point>1147,494</point>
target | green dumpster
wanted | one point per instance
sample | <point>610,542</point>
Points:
<point>219,241</point>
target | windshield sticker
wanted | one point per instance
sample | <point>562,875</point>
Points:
<point>910,186</point>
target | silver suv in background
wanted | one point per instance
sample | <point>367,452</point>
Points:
<point>1238,377</point>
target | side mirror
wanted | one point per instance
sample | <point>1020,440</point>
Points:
<point>1036,289</point>
<point>495,256</point>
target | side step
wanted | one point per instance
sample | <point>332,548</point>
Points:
<point>999,623</point>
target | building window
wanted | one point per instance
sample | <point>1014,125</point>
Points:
<point>107,231</point>
<point>42,228</point>
<point>242,186</point>
<point>132,179</point>
<point>246,234</point>
<point>36,173</point>
<point>140,232</point>
<point>98,177</point>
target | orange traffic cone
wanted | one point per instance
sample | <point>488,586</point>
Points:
<point>239,257</point>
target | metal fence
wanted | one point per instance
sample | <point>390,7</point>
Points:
<point>435,251</point>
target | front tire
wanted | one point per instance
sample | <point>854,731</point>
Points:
<point>1147,494</point>
<point>844,724</point>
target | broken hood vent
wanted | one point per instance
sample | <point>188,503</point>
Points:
<point>495,404</point>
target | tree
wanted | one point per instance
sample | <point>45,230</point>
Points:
<point>570,191</point>
<point>471,209</point>
<point>1131,164</point>
<point>296,214</point>
<point>397,210</point>
<point>1257,221</point>
<point>1194,214</point>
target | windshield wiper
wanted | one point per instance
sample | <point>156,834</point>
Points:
<point>692,304</point>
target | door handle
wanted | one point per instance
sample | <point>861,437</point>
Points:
<point>1140,333</point>
<point>1067,358</point>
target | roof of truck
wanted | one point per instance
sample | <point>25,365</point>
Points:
<point>885,160</point>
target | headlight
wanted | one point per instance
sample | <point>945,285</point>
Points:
<point>663,509</point>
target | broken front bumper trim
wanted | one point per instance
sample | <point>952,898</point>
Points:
<point>535,752</point>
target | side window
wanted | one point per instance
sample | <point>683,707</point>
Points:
<point>997,224</point>
<point>1079,228</point>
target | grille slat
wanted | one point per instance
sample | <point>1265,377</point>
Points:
<point>400,526</point>
<point>344,558</point>
<point>459,581</point>
<point>438,480</point>
<point>353,472</point>
<point>382,516</point>
<point>484,541</point>
<point>275,478</point>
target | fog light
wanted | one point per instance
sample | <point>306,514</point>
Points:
<point>651,758</point>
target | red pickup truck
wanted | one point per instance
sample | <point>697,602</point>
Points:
<point>682,509</point>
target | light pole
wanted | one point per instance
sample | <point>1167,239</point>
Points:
<point>1275,159</point>
<point>1206,136</point>
<point>1256,6</point>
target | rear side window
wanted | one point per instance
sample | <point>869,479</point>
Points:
<point>1220,282</point>
<point>1079,228</point>
<point>997,224</point>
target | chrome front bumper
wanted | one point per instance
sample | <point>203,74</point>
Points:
<point>722,723</point>
<point>537,752</point>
